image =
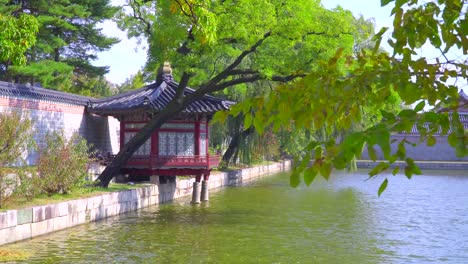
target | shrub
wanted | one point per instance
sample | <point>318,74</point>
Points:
<point>62,163</point>
<point>15,139</point>
<point>29,183</point>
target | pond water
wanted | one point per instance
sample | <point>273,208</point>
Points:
<point>423,220</point>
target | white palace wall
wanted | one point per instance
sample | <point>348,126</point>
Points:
<point>52,115</point>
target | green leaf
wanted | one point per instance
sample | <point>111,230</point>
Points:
<point>318,152</point>
<point>401,150</point>
<point>385,2</point>
<point>382,138</point>
<point>220,117</point>
<point>309,175</point>
<point>408,172</point>
<point>378,169</point>
<point>420,106</point>
<point>295,179</point>
<point>325,170</point>
<point>395,171</point>
<point>408,113</point>
<point>372,153</point>
<point>378,38</point>
<point>304,162</point>
<point>431,141</point>
<point>453,139</point>
<point>387,115</point>
<point>383,186</point>
<point>247,121</point>
<point>259,124</point>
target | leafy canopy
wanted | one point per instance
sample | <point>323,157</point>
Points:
<point>216,45</point>
<point>17,35</point>
<point>68,39</point>
<point>203,37</point>
<point>329,97</point>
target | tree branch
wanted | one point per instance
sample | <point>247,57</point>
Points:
<point>256,77</point>
<point>287,78</point>
<point>182,85</point>
<point>138,16</point>
<point>242,71</point>
<point>222,75</point>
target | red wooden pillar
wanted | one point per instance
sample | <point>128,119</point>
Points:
<point>198,178</point>
<point>206,176</point>
<point>154,147</point>
<point>197,138</point>
<point>122,133</point>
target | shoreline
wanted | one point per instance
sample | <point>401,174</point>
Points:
<point>22,224</point>
<point>422,164</point>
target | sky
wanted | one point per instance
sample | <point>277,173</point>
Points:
<point>127,57</point>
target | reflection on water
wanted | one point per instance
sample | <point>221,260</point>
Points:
<point>422,220</point>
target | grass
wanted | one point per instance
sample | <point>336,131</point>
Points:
<point>13,255</point>
<point>16,202</point>
<point>15,170</point>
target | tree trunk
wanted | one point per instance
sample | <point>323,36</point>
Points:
<point>234,145</point>
<point>139,139</point>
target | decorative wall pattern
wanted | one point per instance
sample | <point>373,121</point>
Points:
<point>176,143</point>
<point>144,150</point>
<point>162,144</point>
<point>188,126</point>
<point>203,127</point>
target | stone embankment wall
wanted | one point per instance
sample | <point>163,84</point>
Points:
<point>16,225</point>
<point>442,151</point>
<point>424,165</point>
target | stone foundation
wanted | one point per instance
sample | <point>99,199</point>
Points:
<point>16,225</point>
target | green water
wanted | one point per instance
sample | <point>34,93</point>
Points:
<point>423,220</point>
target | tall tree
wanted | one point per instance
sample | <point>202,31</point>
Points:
<point>134,82</point>
<point>67,42</point>
<point>18,33</point>
<point>260,40</point>
<point>336,99</point>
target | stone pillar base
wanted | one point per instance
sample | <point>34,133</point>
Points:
<point>204,191</point>
<point>196,193</point>
<point>154,179</point>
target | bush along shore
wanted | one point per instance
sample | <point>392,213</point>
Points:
<point>26,223</point>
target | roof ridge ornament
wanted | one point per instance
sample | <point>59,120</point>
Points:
<point>167,68</point>
<point>164,74</point>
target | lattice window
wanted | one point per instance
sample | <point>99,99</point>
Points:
<point>134,125</point>
<point>163,143</point>
<point>144,150</point>
<point>188,126</point>
<point>176,143</point>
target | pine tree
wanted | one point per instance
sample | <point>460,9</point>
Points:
<point>67,42</point>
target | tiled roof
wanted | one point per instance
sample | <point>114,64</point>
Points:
<point>463,95</point>
<point>154,97</point>
<point>22,91</point>
<point>463,102</point>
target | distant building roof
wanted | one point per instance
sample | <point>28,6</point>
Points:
<point>463,105</point>
<point>21,91</point>
<point>154,97</point>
